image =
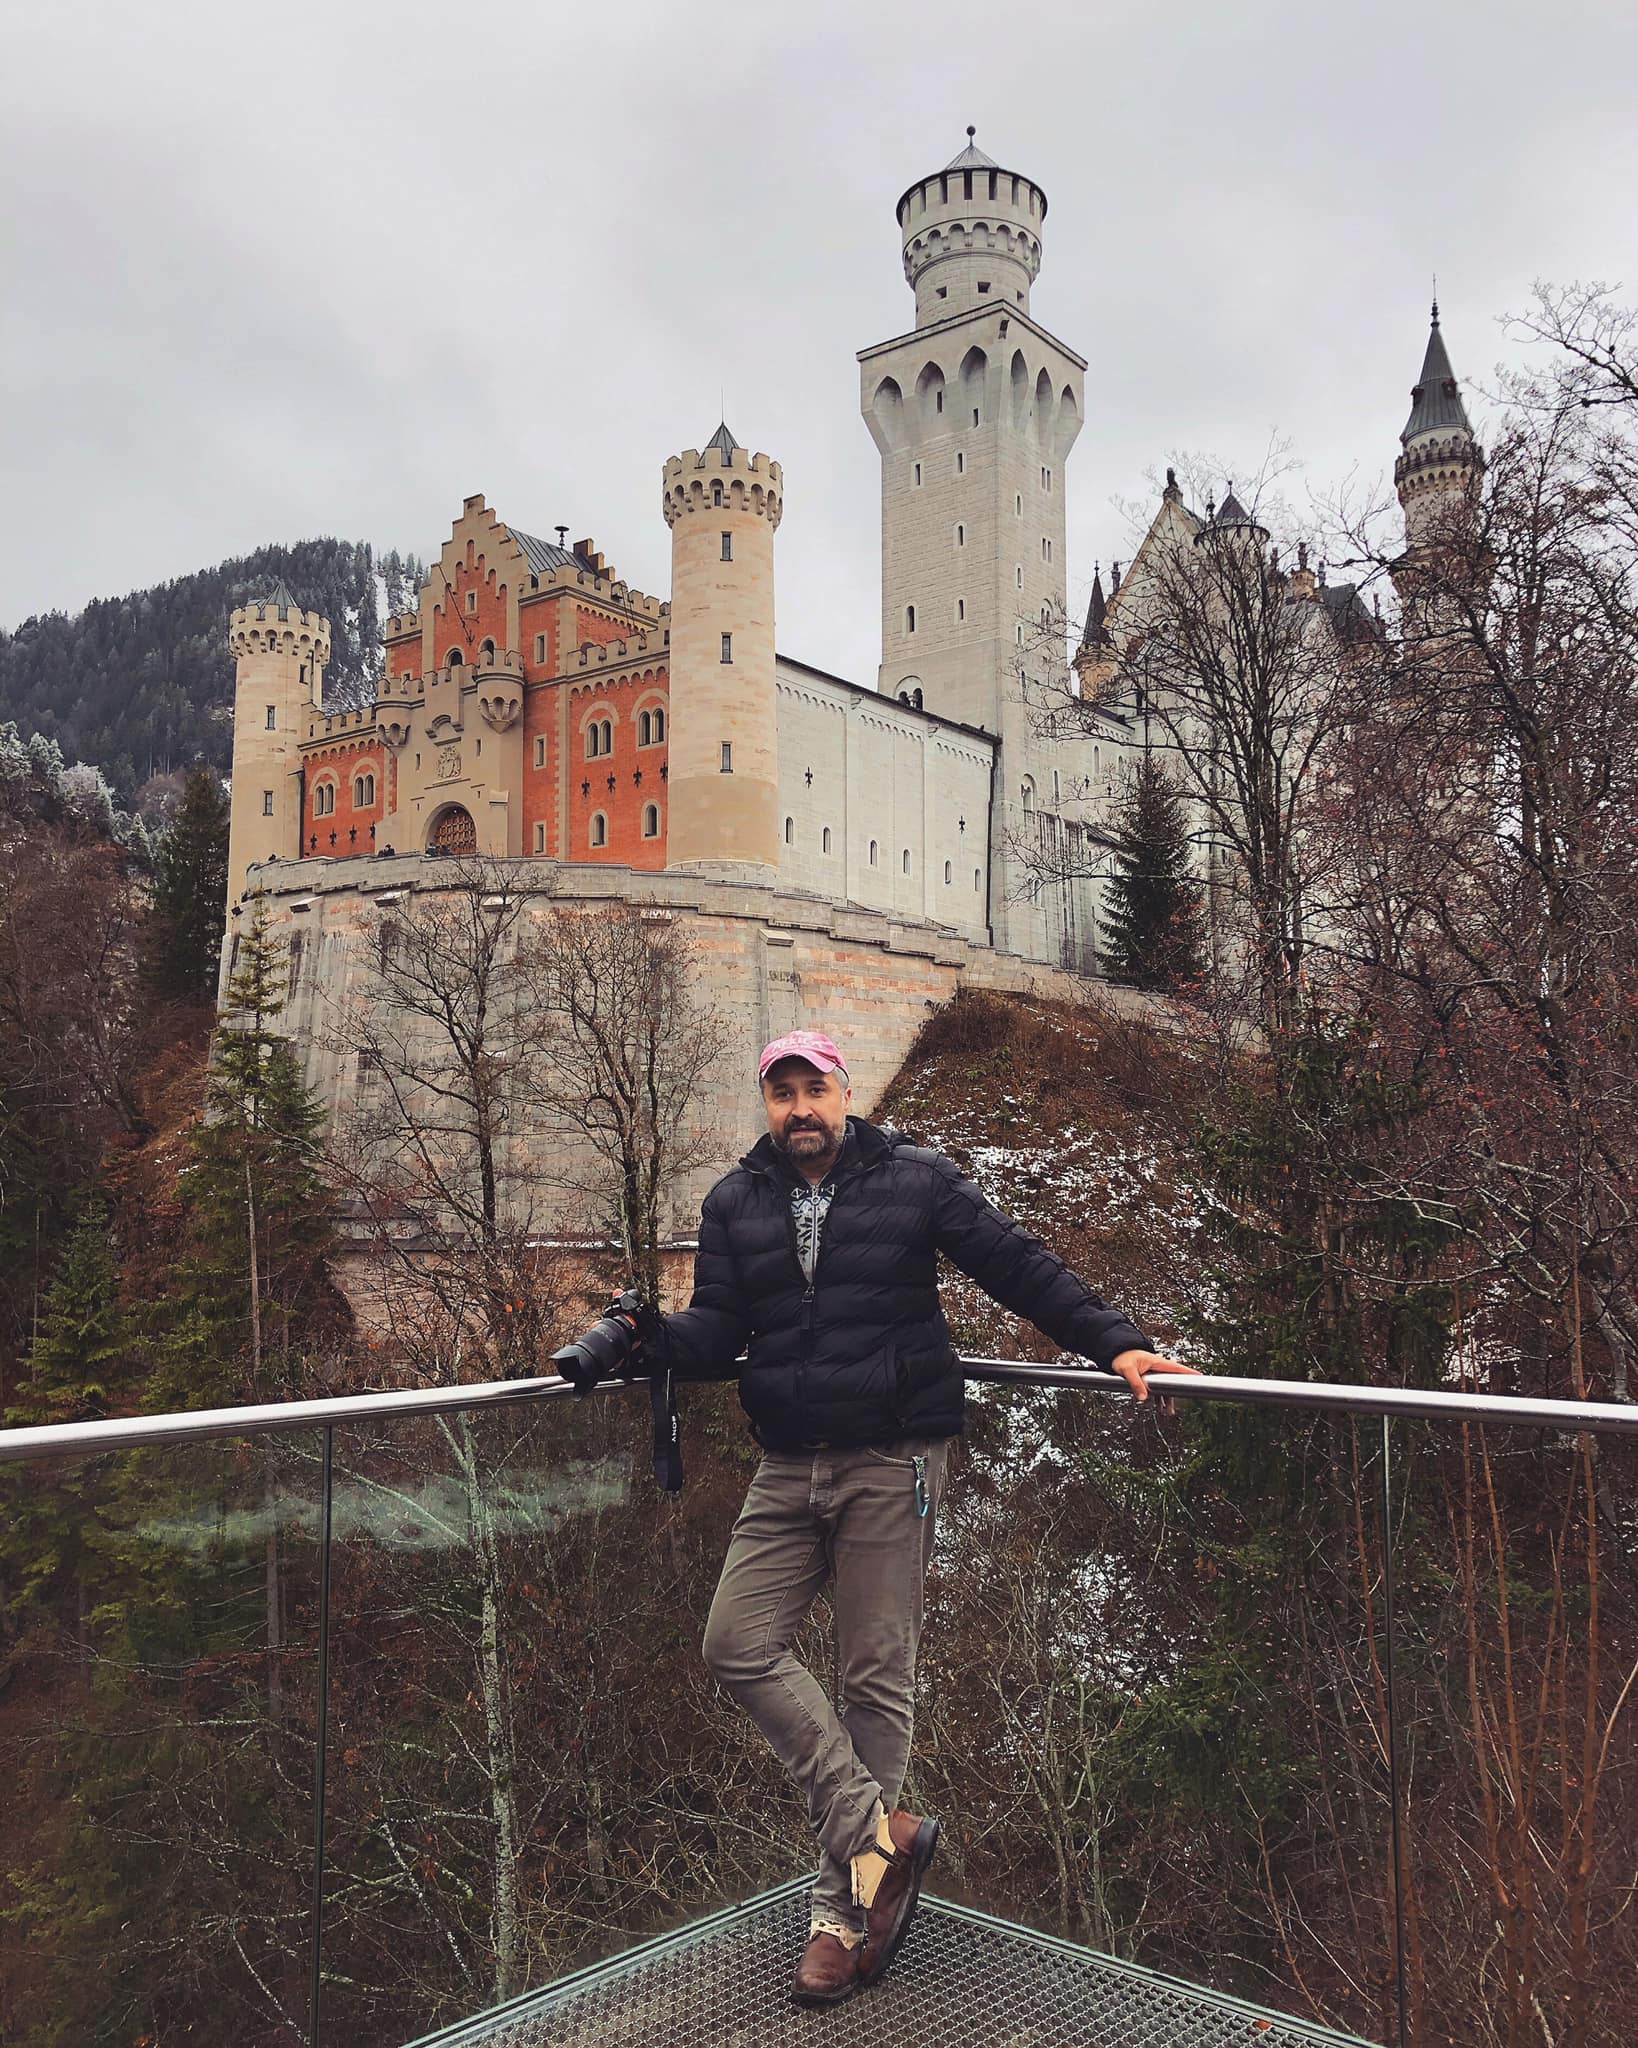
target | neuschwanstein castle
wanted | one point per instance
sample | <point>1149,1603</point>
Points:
<point>852,851</point>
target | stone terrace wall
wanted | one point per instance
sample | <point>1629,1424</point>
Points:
<point>772,960</point>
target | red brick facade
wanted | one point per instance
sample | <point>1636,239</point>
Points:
<point>569,810</point>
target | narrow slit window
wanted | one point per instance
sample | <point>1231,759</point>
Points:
<point>728,647</point>
<point>267,803</point>
<point>872,853</point>
<point>540,836</point>
<point>272,718</point>
<point>909,618</point>
<point>727,757</point>
<point>790,831</point>
<point>727,547</point>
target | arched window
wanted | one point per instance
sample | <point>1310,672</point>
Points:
<point>486,654</point>
<point>961,536</point>
<point>642,729</point>
<point>790,831</point>
<point>906,862</point>
<point>657,715</point>
<point>599,829</point>
<point>872,853</point>
<point>453,658</point>
<point>599,738</point>
<point>716,494</point>
<point>824,841</point>
<point>1027,796</point>
<point>909,618</point>
<point>947,874</point>
<point>363,791</point>
<point>324,800</point>
<point>651,821</point>
<point>977,879</point>
<point>650,727</point>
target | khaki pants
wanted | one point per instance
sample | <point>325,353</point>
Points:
<point>849,1519</point>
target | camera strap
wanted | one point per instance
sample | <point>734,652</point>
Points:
<point>668,1468</point>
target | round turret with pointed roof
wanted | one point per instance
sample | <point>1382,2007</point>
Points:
<point>972,235</point>
<point>1440,461</point>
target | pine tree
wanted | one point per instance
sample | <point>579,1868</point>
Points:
<point>258,1216</point>
<point>190,892</point>
<point>1153,904</point>
<point>69,1376</point>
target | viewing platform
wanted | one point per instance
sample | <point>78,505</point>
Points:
<point>381,1719</point>
<point>964,1980</point>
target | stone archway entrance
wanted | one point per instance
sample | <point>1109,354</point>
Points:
<point>453,831</point>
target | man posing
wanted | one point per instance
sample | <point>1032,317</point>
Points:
<point>820,1250</point>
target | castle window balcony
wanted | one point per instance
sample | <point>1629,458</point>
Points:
<point>380,1719</point>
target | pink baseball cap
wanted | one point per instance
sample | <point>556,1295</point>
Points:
<point>812,1046</point>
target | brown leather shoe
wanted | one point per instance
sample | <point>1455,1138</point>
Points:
<point>827,1973</point>
<point>894,1907</point>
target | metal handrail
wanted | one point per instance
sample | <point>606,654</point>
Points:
<point>127,1432</point>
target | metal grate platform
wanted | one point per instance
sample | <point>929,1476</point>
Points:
<point>963,1980</point>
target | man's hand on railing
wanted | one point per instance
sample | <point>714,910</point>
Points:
<point>1133,1365</point>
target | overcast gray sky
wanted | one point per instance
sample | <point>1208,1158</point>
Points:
<point>293,269</point>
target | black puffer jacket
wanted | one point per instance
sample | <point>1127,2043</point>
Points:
<point>864,1355</point>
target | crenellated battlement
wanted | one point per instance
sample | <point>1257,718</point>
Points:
<point>272,628</point>
<point>611,653</point>
<point>723,479</point>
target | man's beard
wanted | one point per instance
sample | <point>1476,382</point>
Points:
<point>799,1144</point>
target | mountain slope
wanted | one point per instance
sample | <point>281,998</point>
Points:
<point>142,684</point>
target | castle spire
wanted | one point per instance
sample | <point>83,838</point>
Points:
<point>1436,399</point>
<point>1096,634</point>
<point>1440,461</point>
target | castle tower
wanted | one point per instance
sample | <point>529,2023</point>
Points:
<point>1440,461</point>
<point>280,652</point>
<point>723,505</point>
<point>974,413</point>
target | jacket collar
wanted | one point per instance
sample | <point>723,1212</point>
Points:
<point>866,1145</point>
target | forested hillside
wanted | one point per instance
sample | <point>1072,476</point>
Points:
<point>143,684</point>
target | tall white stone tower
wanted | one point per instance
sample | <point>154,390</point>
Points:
<point>723,506</point>
<point>974,412</point>
<point>281,652</point>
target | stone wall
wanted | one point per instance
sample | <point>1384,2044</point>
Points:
<point>772,959</point>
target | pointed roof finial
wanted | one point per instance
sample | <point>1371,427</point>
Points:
<point>972,158</point>
<point>1436,400</point>
<point>724,443</point>
<point>1096,634</point>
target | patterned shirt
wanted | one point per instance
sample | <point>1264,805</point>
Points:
<point>810,1205</point>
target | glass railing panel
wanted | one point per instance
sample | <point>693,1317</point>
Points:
<point>158,1707</point>
<point>1516,1649</point>
<point>529,1767</point>
<point>1153,1705</point>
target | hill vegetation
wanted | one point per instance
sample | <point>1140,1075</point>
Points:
<point>142,685</point>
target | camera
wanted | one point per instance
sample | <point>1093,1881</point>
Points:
<point>612,1345</point>
<point>607,1347</point>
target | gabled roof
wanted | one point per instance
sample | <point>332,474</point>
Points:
<point>1436,400</point>
<point>544,555</point>
<point>972,158</point>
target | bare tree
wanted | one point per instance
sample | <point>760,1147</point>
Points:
<point>631,1047</point>
<point>440,1042</point>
